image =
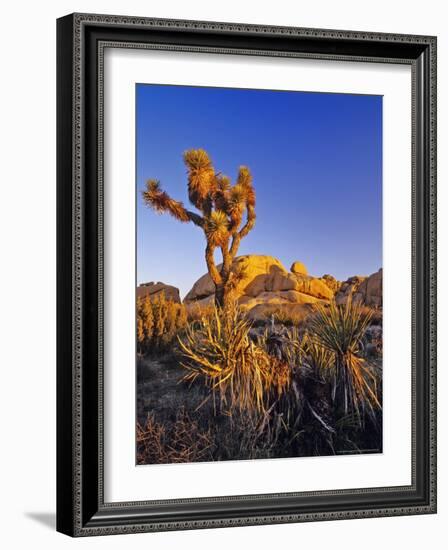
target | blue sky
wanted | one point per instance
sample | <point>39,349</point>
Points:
<point>316,161</point>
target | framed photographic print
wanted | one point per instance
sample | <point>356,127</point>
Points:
<point>246,274</point>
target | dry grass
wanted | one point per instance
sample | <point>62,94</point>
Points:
<point>286,317</point>
<point>176,442</point>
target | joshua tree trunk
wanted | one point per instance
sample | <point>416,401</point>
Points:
<point>223,296</point>
<point>220,296</point>
<point>220,278</point>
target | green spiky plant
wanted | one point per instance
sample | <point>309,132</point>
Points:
<point>226,214</point>
<point>218,350</point>
<point>339,330</point>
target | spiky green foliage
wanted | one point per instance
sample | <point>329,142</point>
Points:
<point>216,228</point>
<point>201,177</point>
<point>339,330</point>
<point>219,350</point>
<point>317,357</point>
<point>162,202</point>
<point>226,212</point>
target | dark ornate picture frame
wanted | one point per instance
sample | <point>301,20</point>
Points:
<point>81,509</point>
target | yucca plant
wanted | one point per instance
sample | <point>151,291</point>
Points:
<point>221,209</point>
<point>339,330</point>
<point>317,358</point>
<point>219,350</point>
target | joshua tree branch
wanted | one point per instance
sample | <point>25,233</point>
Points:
<point>250,222</point>
<point>238,235</point>
<point>195,218</point>
<point>235,244</point>
<point>160,201</point>
<point>226,262</point>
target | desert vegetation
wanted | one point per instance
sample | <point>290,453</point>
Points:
<point>256,362</point>
<point>239,391</point>
<point>158,323</point>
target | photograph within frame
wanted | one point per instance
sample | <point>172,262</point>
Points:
<point>257,361</point>
<point>82,509</point>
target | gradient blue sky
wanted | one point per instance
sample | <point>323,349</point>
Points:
<point>316,161</point>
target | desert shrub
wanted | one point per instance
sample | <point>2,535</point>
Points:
<point>159,321</point>
<point>339,330</point>
<point>181,440</point>
<point>219,350</point>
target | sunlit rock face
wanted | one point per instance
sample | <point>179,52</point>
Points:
<point>156,289</point>
<point>264,284</point>
<point>364,290</point>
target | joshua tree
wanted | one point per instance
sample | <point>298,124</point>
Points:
<point>222,208</point>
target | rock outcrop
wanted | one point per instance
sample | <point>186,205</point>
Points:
<point>350,287</point>
<point>299,268</point>
<point>265,284</point>
<point>372,289</point>
<point>266,287</point>
<point>331,282</point>
<point>364,290</point>
<point>254,269</point>
<point>156,289</point>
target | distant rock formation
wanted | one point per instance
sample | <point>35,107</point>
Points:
<point>155,289</point>
<point>265,286</point>
<point>364,290</point>
<point>350,287</point>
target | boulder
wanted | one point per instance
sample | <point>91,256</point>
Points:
<point>365,290</point>
<point>349,288</point>
<point>372,289</point>
<point>280,281</point>
<point>299,268</point>
<point>265,286</point>
<point>261,275</point>
<point>201,289</point>
<point>313,286</point>
<point>331,282</point>
<point>156,289</point>
<point>255,270</point>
